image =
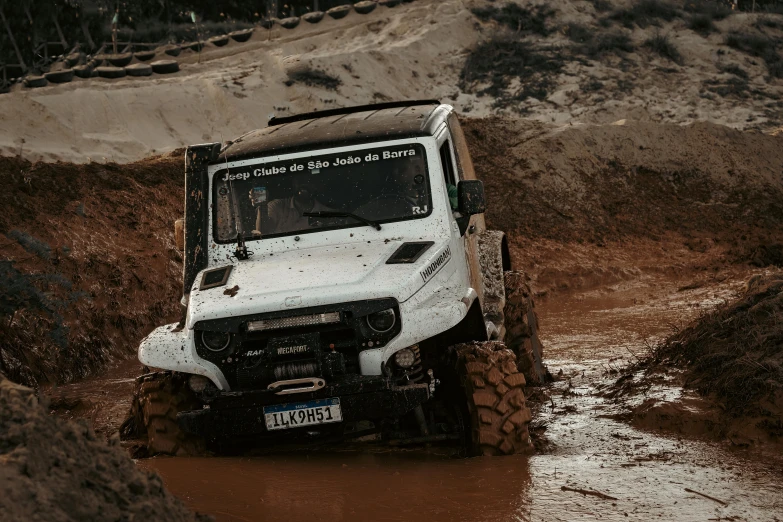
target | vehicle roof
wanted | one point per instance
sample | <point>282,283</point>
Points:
<point>339,127</point>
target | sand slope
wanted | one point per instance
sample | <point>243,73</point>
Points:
<point>415,50</point>
<point>237,88</point>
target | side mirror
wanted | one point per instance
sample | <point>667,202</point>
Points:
<point>470,194</point>
<point>179,234</point>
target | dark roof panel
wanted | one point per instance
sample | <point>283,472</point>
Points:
<point>337,128</point>
<point>348,110</point>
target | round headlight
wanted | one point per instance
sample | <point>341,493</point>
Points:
<point>405,358</point>
<point>382,321</point>
<point>215,341</point>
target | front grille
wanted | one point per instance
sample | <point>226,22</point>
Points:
<point>261,361</point>
<point>294,348</point>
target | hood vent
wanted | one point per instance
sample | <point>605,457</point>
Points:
<point>409,252</point>
<point>215,278</point>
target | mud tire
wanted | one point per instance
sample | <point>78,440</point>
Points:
<point>138,69</point>
<point>219,41</point>
<point>314,17</point>
<point>521,325</point>
<point>74,59</point>
<point>111,72</point>
<point>83,71</point>
<point>365,6</point>
<point>144,56</point>
<point>172,50</point>
<point>241,36</point>
<point>290,22</point>
<point>63,76</point>
<point>341,11</point>
<point>159,397</point>
<point>33,82</point>
<point>120,60</point>
<point>164,66</point>
<point>495,393</point>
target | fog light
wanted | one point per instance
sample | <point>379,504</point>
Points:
<point>382,321</point>
<point>197,383</point>
<point>215,341</point>
<point>405,358</point>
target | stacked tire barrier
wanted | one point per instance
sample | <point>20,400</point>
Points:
<point>241,36</point>
<point>63,76</point>
<point>341,11</point>
<point>365,7</point>
<point>138,69</point>
<point>219,41</point>
<point>113,66</point>
<point>164,66</point>
<point>144,56</point>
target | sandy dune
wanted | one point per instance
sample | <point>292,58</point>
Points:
<point>415,50</point>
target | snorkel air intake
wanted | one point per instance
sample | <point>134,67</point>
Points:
<point>197,159</point>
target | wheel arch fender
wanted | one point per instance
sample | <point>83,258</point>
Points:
<point>171,348</point>
<point>472,327</point>
<point>494,259</point>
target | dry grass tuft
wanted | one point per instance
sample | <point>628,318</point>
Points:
<point>735,352</point>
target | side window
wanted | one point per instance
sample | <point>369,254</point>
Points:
<point>447,164</point>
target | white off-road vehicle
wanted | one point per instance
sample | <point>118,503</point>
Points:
<point>339,282</point>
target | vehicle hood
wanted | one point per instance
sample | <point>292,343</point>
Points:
<point>313,277</point>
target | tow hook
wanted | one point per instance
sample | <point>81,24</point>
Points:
<point>307,384</point>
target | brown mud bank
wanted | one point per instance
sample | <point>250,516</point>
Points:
<point>88,263</point>
<point>731,357</point>
<point>56,470</point>
<point>89,266</point>
<point>587,206</point>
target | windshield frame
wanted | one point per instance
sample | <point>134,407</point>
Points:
<point>264,160</point>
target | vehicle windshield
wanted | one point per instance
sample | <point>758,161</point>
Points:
<point>262,200</point>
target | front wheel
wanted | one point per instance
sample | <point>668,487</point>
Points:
<point>495,394</point>
<point>158,398</point>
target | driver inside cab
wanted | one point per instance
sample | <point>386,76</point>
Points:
<point>285,214</point>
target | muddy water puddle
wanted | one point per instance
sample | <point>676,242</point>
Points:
<point>350,486</point>
<point>104,401</point>
<point>589,337</point>
<point>586,336</point>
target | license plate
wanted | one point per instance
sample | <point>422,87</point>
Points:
<point>297,414</point>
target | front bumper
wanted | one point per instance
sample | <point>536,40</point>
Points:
<point>361,398</point>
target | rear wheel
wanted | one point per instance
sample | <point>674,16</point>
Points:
<point>159,397</point>
<point>495,393</point>
<point>521,324</point>
<point>164,66</point>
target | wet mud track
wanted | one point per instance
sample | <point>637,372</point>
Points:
<point>587,336</point>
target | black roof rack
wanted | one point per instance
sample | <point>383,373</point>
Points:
<point>349,110</point>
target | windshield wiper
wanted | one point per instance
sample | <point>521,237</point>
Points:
<point>328,214</point>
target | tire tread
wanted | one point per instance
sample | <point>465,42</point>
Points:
<point>498,411</point>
